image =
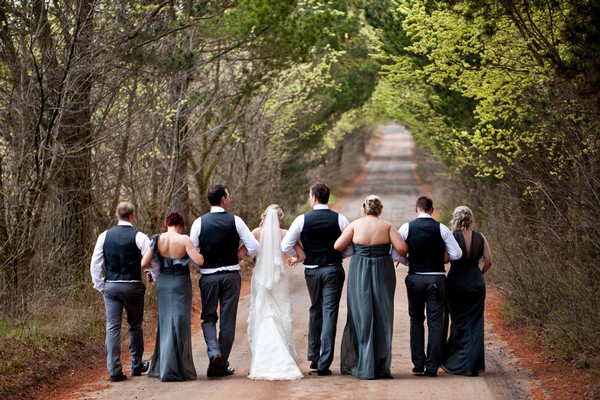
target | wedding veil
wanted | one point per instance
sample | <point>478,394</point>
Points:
<point>269,265</point>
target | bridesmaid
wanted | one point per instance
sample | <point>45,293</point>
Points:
<point>367,339</point>
<point>172,358</point>
<point>465,290</point>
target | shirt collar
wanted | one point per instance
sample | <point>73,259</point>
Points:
<point>424,215</point>
<point>214,209</point>
<point>125,223</point>
<point>321,207</point>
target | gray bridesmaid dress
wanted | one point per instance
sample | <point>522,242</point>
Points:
<point>172,359</point>
<point>367,339</point>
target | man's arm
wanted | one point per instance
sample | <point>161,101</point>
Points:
<point>195,233</point>
<point>452,247</point>
<point>97,262</point>
<point>246,236</point>
<point>143,242</point>
<point>292,236</point>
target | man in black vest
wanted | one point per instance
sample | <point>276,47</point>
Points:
<point>430,246</point>
<point>318,230</point>
<point>120,250</point>
<point>217,235</point>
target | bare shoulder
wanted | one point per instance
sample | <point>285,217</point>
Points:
<point>282,232</point>
<point>256,233</point>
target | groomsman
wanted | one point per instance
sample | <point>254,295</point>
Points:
<point>217,235</point>
<point>317,231</point>
<point>120,250</point>
<point>430,245</point>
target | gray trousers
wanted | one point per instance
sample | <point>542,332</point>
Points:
<point>221,290</point>
<point>128,296</point>
<point>426,293</point>
<point>325,290</point>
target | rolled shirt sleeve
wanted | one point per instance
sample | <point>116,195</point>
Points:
<point>452,247</point>
<point>292,236</point>
<point>343,222</point>
<point>97,263</point>
<point>246,236</point>
<point>403,231</point>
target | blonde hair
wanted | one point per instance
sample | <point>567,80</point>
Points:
<point>275,207</point>
<point>372,205</point>
<point>462,218</point>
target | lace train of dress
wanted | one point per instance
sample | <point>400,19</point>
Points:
<point>270,320</point>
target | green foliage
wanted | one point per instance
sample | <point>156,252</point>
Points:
<point>506,94</point>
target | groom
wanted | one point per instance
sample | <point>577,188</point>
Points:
<point>318,230</point>
<point>217,235</point>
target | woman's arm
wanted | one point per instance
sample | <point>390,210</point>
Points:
<point>147,262</point>
<point>345,238</point>
<point>147,258</point>
<point>193,252</point>
<point>397,242</point>
<point>487,257</point>
<point>301,254</point>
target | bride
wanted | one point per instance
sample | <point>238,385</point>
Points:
<point>270,321</point>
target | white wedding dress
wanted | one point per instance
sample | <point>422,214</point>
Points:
<point>270,321</point>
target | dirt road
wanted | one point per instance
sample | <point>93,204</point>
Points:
<point>388,174</point>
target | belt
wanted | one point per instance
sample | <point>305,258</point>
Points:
<point>330,265</point>
<point>223,271</point>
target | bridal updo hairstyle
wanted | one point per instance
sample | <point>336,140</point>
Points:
<point>462,218</point>
<point>372,206</point>
<point>174,218</point>
<point>275,207</point>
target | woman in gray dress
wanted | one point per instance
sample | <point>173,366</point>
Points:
<point>169,255</point>
<point>367,339</point>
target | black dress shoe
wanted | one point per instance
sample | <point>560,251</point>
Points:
<point>418,370</point>
<point>213,366</point>
<point>224,372</point>
<point>429,372</point>
<point>314,365</point>
<point>324,372</point>
<point>118,378</point>
<point>141,369</point>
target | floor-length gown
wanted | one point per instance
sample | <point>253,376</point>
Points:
<point>366,350</point>
<point>270,320</point>
<point>172,358</point>
<point>465,289</point>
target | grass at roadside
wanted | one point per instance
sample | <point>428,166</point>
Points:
<point>39,348</point>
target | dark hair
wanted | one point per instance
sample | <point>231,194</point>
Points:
<point>174,218</point>
<point>216,193</point>
<point>321,191</point>
<point>425,204</point>
<point>125,210</point>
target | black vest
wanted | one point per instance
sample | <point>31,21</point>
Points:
<point>219,240</point>
<point>425,246</point>
<point>321,230</point>
<point>122,257</point>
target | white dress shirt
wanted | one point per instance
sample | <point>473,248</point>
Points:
<point>141,240</point>
<point>452,247</point>
<point>242,229</point>
<point>293,234</point>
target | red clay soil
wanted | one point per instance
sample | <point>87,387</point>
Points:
<point>559,378</point>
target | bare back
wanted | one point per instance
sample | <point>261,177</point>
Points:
<point>172,245</point>
<point>371,230</point>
